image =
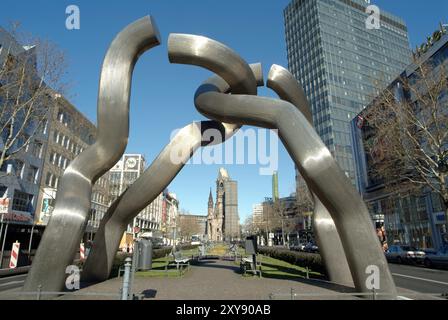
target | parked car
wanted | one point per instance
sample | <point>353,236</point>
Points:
<point>157,243</point>
<point>435,259</point>
<point>311,247</point>
<point>405,254</point>
<point>298,247</point>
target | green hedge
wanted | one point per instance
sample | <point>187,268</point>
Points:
<point>302,259</point>
<point>156,254</point>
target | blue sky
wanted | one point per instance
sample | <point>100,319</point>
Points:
<point>162,93</point>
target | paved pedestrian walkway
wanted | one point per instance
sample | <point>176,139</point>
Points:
<point>217,280</point>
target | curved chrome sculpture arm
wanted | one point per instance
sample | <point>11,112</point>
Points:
<point>288,88</point>
<point>319,168</point>
<point>66,226</point>
<point>214,56</point>
<point>163,170</point>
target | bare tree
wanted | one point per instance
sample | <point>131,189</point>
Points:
<point>249,227</point>
<point>304,200</point>
<point>406,133</point>
<point>30,80</point>
<point>187,226</point>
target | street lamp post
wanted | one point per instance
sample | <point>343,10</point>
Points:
<point>174,234</point>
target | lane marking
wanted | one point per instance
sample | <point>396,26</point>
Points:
<point>403,298</point>
<point>421,279</point>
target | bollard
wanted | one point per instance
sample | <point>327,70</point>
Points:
<point>135,263</point>
<point>39,290</point>
<point>127,271</point>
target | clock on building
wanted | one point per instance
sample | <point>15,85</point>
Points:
<point>131,163</point>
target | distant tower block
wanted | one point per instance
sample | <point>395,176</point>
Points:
<point>275,195</point>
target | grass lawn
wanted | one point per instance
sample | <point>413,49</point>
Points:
<point>278,269</point>
<point>218,250</point>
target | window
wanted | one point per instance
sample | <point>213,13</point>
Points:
<point>44,126</point>
<point>18,168</point>
<point>64,118</point>
<point>3,191</point>
<point>37,149</point>
<point>22,201</point>
<point>48,179</point>
<point>22,140</point>
<point>32,174</point>
<point>51,180</point>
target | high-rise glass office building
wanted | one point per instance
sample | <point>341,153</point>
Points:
<point>338,60</point>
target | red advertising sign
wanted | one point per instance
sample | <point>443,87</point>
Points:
<point>4,205</point>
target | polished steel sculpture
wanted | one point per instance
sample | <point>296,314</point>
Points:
<point>68,221</point>
<point>345,233</point>
<point>163,170</point>
<point>310,155</point>
<point>288,88</point>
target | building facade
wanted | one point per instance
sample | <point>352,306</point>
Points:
<point>223,223</point>
<point>337,60</point>
<point>416,219</point>
<point>257,216</point>
<point>55,137</point>
<point>68,133</point>
<point>121,176</point>
<point>20,176</point>
<point>170,217</point>
<point>196,225</point>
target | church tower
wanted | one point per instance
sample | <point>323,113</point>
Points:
<point>210,216</point>
<point>222,218</point>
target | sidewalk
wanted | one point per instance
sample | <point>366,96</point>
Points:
<point>216,280</point>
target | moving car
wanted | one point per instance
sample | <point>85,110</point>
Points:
<point>405,254</point>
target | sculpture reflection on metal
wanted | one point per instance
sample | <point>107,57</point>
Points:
<point>312,158</point>
<point>66,226</point>
<point>286,86</point>
<point>163,170</point>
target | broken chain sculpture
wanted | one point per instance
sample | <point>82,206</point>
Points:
<point>163,170</point>
<point>345,233</point>
<point>288,88</point>
<point>65,229</point>
<point>313,159</point>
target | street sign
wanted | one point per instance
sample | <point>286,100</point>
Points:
<point>4,205</point>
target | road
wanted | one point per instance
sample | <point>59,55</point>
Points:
<point>12,282</point>
<point>424,280</point>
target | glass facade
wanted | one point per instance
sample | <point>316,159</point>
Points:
<point>338,61</point>
<point>418,218</point>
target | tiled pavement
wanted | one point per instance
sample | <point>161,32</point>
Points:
<point>217,280</point>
